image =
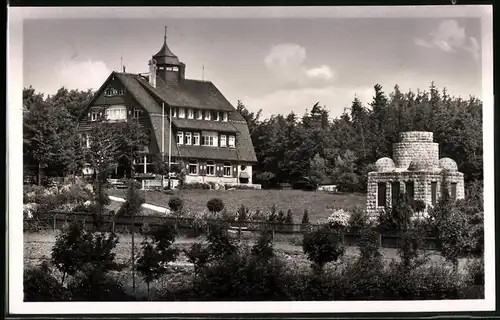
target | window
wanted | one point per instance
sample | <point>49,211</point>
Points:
<point>395,188</point>
<point>210,138</point>
<point>116,113</point>
<point>215,116</point>
<point>221,115</point>
<point>199,114</point>
<point>232,141</point>
<point>137,113</point>
<point>433,193</point>
<point>453,191</point>
<point>172,69</point>
<point>109,92</point>
<point>180,137</point>
<point>223,140</point>
<point>174,112</point>
<point>187,138</point>
<point>410,189</point>
<point>227,170</point>
<point>193,168</point>
<point>208,115</point>
<point>94,115</point>
<point>381,196</point>
<point>225,117</point>
<point>182,113</point>
<point>210,169</point>
<point>196,139</point>
<point>190,113</point>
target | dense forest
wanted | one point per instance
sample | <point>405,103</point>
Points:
<point>291,149</point>
<point>318,149</point>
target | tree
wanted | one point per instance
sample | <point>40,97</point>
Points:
<point>109,144</point>
<point>317,170</point>
<point>322,246</point>
<point>157,252</point>
<point>49,134</point>
<point>75,248</point>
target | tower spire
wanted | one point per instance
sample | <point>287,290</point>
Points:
<point>165,37</point>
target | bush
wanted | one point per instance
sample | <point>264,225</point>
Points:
<point>358,218</point>
<point>305,217</point>
<point>175,204</point>
<point>199,255</point>
<point>220,244</point>
<point>242,214</point>
<point>75,248</point>
<point>40,286</point>
<point>94,284</point>
<point>289,217</point>
<point>215,205</point>
<point>194,186</point>
<point>322,246</point>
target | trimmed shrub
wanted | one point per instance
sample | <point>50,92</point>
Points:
<point>175,204</point>
<point>215,205</point>
<point>194,186</point>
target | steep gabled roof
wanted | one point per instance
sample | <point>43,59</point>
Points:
<point>194,94</point>
<point>189,93</point>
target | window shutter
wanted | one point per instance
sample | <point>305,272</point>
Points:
<point>235,171</point>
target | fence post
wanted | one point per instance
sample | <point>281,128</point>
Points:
<point>272,226</point>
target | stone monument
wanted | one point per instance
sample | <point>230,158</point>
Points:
<point>415,170</point>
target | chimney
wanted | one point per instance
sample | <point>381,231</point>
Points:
<point>152,72</point>
<point>182,71</point>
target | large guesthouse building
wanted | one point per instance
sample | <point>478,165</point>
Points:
<point>191,119</point>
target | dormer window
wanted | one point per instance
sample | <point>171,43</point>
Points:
<point>208,115</point>
<point>182,113</point>
<point>232,141</point>
<point>225,117</point>
<point>174,112</point>
<point>180,137</point>
<point>190,113</point>
<point>199,114</point>
<point>215,115</point>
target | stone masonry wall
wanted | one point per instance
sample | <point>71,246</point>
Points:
<point>422,186</point>
<point>425,153</point>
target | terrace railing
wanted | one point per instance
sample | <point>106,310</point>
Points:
<point>191,226</point>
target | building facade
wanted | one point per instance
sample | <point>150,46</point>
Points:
<point>415,170</point>
<point>189,118</point>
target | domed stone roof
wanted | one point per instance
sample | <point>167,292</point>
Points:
<point>384,164</point>
<point>448,164</point>
<point>417,165</point>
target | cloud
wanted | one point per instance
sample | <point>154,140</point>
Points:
<point>82,74</point>
<point>287,62</point>
<point>335,99</point>
<point>450,37</point>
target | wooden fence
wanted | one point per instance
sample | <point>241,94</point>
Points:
<point>188,227</point>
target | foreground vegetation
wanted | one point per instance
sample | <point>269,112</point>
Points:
<point>84,264</point>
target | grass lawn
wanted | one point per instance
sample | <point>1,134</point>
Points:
<point>316,202</point>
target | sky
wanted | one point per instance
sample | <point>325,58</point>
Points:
<point>277,64</point>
